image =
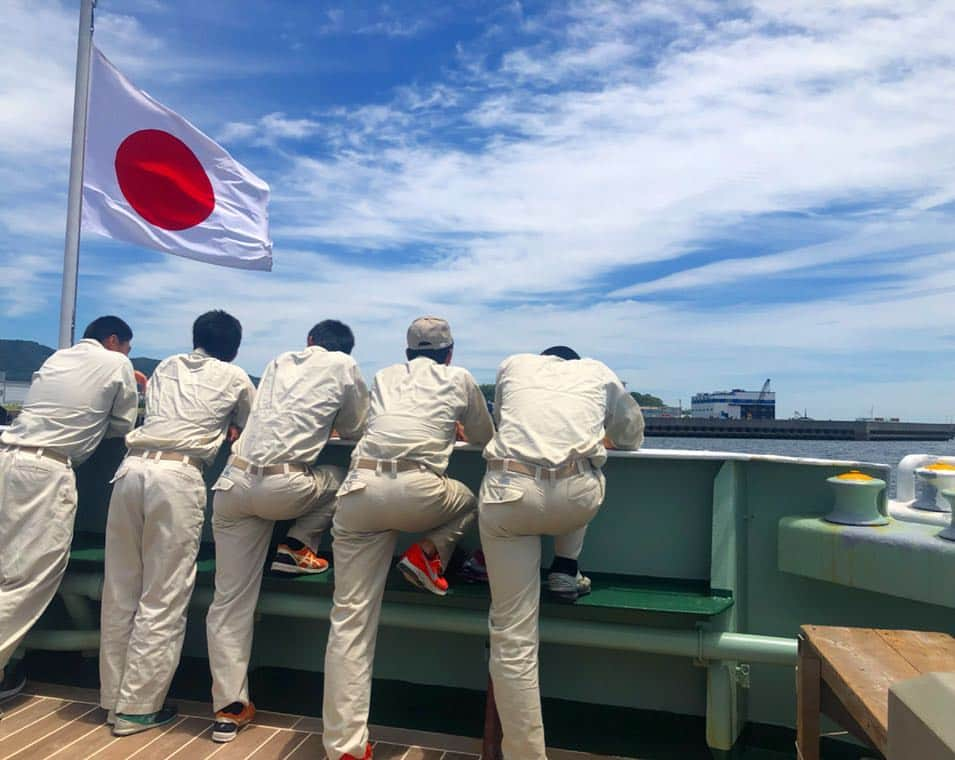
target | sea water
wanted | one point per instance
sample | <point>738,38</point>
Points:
<point>876,452</point>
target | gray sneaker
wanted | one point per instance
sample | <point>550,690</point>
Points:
<point>127,725</point>
<point>567,587</point>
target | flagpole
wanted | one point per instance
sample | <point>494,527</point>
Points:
<point>71,252</point>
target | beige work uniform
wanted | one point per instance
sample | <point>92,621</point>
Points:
<point>414,410</point>
<point>551,412</point>
<point>302,395</point>
<point>155,522</point>
<point>79,396</point>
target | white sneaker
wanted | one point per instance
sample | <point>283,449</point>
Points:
<point>567,587</point>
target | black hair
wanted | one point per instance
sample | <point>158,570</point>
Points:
<point>440,355</point>
<point>102,327</point>
<point>333,335</point>
<point>564,352</point>
<point>217,333</point>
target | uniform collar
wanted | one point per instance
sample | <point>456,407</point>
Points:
<point>92,342</point>
<point>201,352</point>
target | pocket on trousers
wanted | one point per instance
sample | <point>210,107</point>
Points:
<point>223,484</point>
<point>586,490</point>
<point>500,493</point>
<point>120,472</point>
<point>62,527</point>
<point>351,484</point>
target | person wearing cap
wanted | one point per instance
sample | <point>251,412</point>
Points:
<point>271,476</point>
<point>155,520</point>
<point>396,483</point>
<point>78,397</point>
<point>543,477</point>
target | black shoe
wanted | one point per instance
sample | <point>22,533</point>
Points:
<point>230,719</point>
<point>12,684</point>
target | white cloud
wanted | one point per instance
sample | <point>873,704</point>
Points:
<point>613,134</point>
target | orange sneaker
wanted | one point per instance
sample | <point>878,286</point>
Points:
<point>298,561</point>
<point>423,572</point>
<point>230,719</point>
<point>367,755</point>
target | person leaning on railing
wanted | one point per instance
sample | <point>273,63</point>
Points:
<point>396,483</point>
<point>79,396</point>
<point>543,478</point>
<point>155,520</point>
<point>270,477</point>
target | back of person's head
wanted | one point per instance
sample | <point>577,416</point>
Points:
<point>332,335</point>
<point>430,337</point>
<point>102,328</point>
<point>564,352</point>
<point>217,333</point>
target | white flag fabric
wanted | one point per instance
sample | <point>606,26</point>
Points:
<point>153,179</point>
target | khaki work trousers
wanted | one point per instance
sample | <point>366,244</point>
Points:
<point>153,532</point>
<point>244,510</point>
<point>514,512</point>
<point>372,509</point>
<point>37,510</point>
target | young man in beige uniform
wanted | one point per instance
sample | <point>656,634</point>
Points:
<point>543,478</point>
<point>396,483</point>
<point>270,477</point>
<point>155,520</point>
<point>79,396</point>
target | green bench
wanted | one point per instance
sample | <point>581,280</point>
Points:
<point>614,599</point>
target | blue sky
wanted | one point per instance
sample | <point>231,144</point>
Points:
<point>701,194</point>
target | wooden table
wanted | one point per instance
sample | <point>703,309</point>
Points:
<point>846,674</point>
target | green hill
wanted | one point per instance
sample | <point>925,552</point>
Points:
<point>21,358</point>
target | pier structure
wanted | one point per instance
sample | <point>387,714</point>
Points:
<point>801,429</point>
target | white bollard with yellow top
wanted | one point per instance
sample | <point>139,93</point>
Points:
<point>930,481</point>
<point>856,499</point>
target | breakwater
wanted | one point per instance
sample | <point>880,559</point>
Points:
<point>818,430</point>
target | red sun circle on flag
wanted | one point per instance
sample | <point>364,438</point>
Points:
<point>163,180</point>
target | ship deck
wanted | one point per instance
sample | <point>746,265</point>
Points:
<point>65,722</point>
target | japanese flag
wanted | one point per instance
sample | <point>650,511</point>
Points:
<point>153,179</point>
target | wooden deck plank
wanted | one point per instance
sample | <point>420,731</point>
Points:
<point>61,691</point>
<point>248,740</point>
<point>17,703</point>
<point>37,730</point>
<point>102,745</point>
<point>31,711</point>
<point>859,667</point>
<point>279,746</point>
<point>924,651</point>
<point>310,749</point>
<point>386,751</point>
<point>175,739</point>
<point>458,756</point>
<point>310,724</point>
<point>99,738</point>
<point>419,753</point>
<point>276,720</point>
<point>62,738</point>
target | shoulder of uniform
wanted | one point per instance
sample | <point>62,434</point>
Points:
<point>462,373</point>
